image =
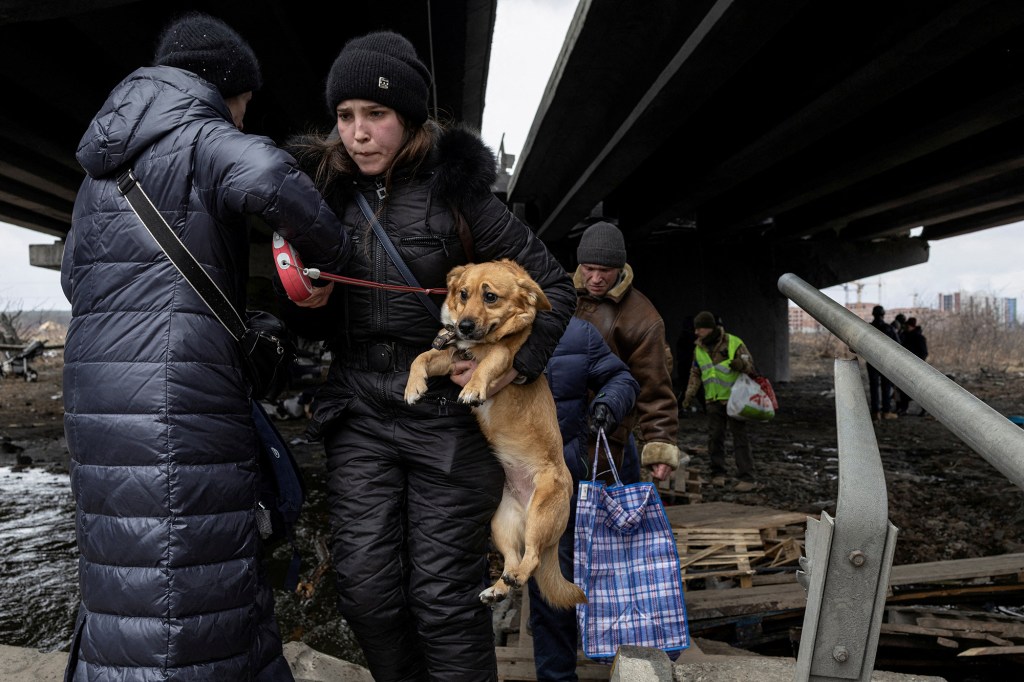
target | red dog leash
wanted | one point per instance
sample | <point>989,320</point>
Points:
<point>297,280</point>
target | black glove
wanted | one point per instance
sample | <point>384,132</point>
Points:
<point>601,418</point>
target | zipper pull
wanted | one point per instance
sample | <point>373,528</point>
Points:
<point>382,193</point>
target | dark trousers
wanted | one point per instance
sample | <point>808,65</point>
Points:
<point>718,420</point>
<point>880,390</point>
<point>411,502</point>
<point>555,630</point>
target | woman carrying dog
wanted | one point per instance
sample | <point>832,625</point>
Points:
<point>411,488</point>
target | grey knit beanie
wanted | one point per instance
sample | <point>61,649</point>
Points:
<point>602,244</point>
<point>704,320</point>
<point>212,50</point>
<point>381,67</point>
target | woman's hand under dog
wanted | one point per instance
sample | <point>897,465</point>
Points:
<point>462,372</point>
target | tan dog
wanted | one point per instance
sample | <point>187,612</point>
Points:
<point>488,315</point>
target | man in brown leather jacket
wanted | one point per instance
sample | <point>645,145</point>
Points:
<point>635,331</point>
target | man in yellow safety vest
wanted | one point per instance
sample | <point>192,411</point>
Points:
<point>718,360</point>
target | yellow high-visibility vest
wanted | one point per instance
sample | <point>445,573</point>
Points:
<point>718,379</point>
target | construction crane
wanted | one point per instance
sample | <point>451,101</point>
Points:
<point>846,290</point>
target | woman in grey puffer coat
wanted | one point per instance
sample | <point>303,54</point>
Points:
<point>157,416</point>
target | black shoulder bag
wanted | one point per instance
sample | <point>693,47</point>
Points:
<point>263,340</point>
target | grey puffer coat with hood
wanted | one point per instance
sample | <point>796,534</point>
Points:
<point>157,417</point>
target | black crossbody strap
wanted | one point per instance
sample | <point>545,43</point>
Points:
<point>180,256</point>
<point>407,275</point>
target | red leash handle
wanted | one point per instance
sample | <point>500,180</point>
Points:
<point>297,279</point>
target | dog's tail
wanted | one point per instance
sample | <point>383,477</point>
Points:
<point>554,588</point>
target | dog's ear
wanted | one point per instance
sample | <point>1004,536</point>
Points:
<point>453,278</point>
<point>534,294</point>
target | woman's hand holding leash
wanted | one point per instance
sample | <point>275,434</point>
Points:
<point>318,297</point>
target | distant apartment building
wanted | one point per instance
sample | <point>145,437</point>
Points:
<point>1004,310</point>
<point>800,322</point>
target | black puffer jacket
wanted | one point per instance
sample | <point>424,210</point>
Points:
<point>156,406</point>
<point>419,219</point>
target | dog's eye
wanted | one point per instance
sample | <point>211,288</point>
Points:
<point>490,297</point>
<point>463,295</point>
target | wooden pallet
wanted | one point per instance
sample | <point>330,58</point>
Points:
<point>682,487</point>
<point>719,553</point>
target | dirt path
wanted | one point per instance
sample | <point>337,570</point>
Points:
<point>947,501</point>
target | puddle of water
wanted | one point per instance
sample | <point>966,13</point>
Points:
<point>39,569</point>
<point>38,559</point>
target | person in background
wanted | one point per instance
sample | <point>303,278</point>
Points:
<point>582,366</point>
<point>156,402</point>
<point>899,323</point>
<point>635,331</point>
<point>914,340</point>
<point>879,386</point>
<point>411,488</point>
<point>718,360</point>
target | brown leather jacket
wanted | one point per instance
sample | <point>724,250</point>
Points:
<point>633,328</point>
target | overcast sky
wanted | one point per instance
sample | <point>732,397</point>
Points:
<point>528,36</point>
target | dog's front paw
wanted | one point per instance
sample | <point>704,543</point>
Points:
<point>415,389</point>
<point>472,395</point>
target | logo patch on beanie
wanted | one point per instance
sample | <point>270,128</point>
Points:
<point>383,83</point>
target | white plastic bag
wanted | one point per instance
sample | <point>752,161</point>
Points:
<point>748,401</point>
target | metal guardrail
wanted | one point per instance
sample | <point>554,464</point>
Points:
<point>848,558</point>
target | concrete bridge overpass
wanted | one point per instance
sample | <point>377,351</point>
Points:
<point>732,140</point>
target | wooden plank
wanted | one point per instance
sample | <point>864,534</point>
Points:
<point>906,629</point>
<point>958,569</point>
<point>691,558</point>
<point>516,664</point>
<point>728,514</point>
<point>702,604</point>
<point>1005,628</point>
<point>993,651</point>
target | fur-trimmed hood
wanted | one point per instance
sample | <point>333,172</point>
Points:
<point>465,166</point>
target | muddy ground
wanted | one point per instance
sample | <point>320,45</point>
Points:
<point>947,501</point>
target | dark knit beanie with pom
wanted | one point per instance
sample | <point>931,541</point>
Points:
<point>602,244</point>
<point>212,50</point>
<point>381,67</point>
<point>704,320</point>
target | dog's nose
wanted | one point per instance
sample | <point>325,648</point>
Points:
<point>466,327</point>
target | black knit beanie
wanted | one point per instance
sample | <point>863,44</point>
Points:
<point>381,67</point>
<point>704,320</point>
<point>602,244</point>
<point>212,50</point>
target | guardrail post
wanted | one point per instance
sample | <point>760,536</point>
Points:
<point>848,558</point>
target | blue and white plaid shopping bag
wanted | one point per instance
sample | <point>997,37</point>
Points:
<point>626,561</point>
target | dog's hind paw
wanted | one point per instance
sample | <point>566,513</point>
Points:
<point>511,580</point>
<point>491,596</point>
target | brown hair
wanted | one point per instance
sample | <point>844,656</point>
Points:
<point>334,163</point>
